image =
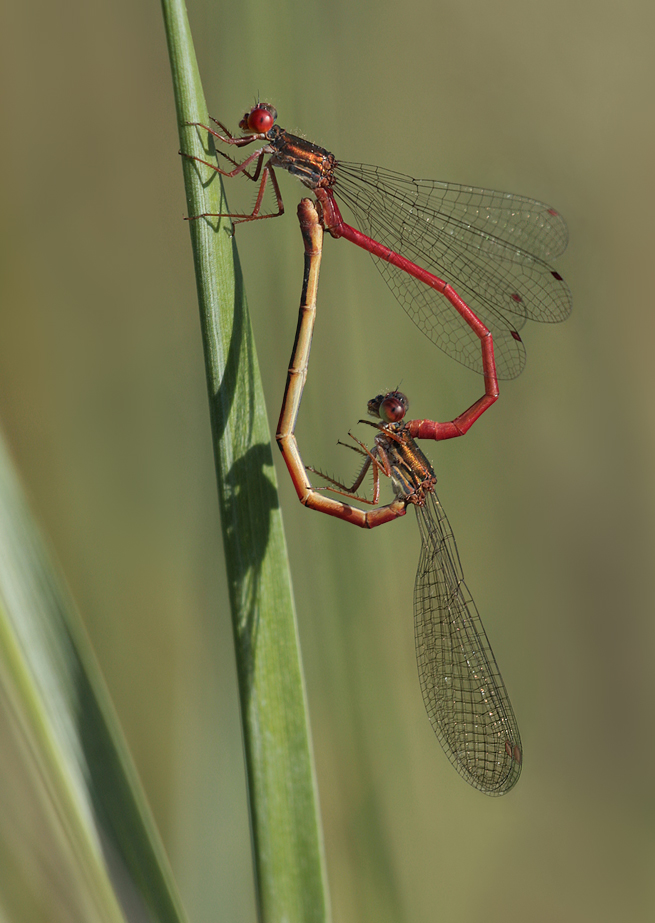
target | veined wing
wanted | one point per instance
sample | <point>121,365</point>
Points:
<point>504,224</point>
<point>491,247</point>
<point>463,691</point>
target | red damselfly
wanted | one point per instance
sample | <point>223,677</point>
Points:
<point>491,249</point>
<point>463,691</point>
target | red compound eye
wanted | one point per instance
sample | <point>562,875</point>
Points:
<point>261,118</point>
<point>394,407</point>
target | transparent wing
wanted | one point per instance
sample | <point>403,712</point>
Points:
<point>463,691</point>
<point>491,247</point>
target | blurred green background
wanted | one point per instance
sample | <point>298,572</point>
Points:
<point>102,396</point>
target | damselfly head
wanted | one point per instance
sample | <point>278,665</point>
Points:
<point>259,119</point>
<point>390,407</point>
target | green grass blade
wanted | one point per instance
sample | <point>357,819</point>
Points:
<point>286,833</point>
<point>76,835</point>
